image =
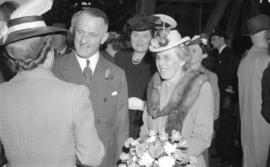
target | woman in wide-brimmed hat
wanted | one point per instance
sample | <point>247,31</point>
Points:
<point>178,98</point>
<point>43,120</point>
<point>139,63</point>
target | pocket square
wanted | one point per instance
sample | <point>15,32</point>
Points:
<point>114,93</point>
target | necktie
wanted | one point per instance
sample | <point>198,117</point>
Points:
<point>87,72</point>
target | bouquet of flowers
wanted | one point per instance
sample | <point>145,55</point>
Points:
<point>157,150</point>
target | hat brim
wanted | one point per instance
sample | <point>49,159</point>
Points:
<point>167,19</point>
<point>169,46</point>
<point>256,31</point>
<point>30,33</point>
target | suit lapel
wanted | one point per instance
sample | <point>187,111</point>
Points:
<point>99,85</point>
<point>72,70</point>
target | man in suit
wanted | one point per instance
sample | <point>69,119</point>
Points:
<point>225,68</point>
<point>43,120</point>
<point>107,82</point>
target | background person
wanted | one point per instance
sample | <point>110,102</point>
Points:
<point>199,49</point>
<point>6,8</point>
<point>255,131</point>
<point>139,67</point>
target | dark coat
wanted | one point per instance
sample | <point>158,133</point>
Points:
<point>226,69</point>
<point>266,94</point>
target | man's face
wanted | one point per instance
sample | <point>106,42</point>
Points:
<point>90,33</point>
<point>216,41</point>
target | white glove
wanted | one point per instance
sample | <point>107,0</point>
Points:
<point>135,103</point>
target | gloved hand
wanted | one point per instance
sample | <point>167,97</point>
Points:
<point>135,103</point>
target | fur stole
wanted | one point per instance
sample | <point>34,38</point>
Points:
<point>183,97</point>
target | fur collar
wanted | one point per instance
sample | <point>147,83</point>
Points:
<point>183,97</point>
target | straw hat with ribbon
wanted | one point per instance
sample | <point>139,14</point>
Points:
<point>164,42</point>
<point>27,22</point>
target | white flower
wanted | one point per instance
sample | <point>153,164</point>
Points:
<point>146,160</point>
<point>183,144</point>
<point>122,165</point>
<point>154,43</point>
<point>151,139</point>
<point>124,156</point>
<point>176,136</point>
<point>128,142</point>
<point>166,161</point>
<point>134,143</point>
<point>163,136</point>
<point>152,133</point>
<point>169,148</point>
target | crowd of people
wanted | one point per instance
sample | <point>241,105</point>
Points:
<point>78,94</point>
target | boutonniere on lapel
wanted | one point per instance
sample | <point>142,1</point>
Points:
<point>108,74</point>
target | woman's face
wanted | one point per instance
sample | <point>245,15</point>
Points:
<point>196,54</point>
<point>140,40</point>
<point>169,63</point>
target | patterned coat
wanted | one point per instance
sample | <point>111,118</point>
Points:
<point>47,122</point>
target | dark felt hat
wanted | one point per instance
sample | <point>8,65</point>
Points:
<point>28,27</point>
<point>258,23</point>
<point>219,32</point>
<point>142,23</point>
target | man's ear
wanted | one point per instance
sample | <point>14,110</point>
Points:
<point>105,37</point>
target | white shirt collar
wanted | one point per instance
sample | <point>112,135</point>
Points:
<point>93,61</point>
<point>221,48</point>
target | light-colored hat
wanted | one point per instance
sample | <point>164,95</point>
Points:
<point>163,41</point>
<point>167,19</point>
<point>27,22</point>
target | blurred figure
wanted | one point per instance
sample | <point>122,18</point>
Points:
<point>43,120</point>
<point>85,65</point>
<point>6,9</point>
<point>70,34</point>
<point>178,98</point>
<point>139,67</point>
<point>225,67</point>
<point>59,41</point>
<point>199,49</point>
<point>255,131</point>
<point>113,46</point>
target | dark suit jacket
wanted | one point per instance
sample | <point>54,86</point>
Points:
<point>108,93</point>
<point>226,69</point>
<point>266,94</point>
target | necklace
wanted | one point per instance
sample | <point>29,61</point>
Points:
<point>136,61</point>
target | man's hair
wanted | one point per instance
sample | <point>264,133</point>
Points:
<point>27,54</point>
<point>97,13</point>
<point>6,9</point>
